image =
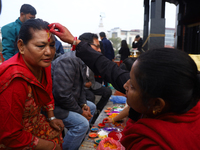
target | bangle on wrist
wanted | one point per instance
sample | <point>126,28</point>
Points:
<point>54,145</point>
<point>113,120</point>
<point>74,44</point>
<point>51,118</point>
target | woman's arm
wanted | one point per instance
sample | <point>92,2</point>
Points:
<point>98,63</point>
<point>47,145</point>
<point>124,113</point>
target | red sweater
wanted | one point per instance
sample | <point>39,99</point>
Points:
<point>167,131</point>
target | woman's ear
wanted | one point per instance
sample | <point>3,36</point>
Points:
<point>20,45</point>
<point>158,105</point>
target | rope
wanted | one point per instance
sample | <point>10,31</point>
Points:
<point>152,35</point>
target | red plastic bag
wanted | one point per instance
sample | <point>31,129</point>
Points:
<point>110,144</point>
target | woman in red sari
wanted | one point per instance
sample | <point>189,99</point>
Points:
<point>25,89</point>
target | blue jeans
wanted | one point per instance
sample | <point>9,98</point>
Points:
<point>77,126</point>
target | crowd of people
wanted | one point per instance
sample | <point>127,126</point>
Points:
<point>40,94</point>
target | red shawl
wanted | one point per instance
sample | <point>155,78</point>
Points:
<point>15,67</point>
<point>167,131</point>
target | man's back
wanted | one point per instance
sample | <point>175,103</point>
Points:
<point>9,34</point>
<point>108,49</point>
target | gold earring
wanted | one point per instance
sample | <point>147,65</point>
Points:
<point>154,112</point>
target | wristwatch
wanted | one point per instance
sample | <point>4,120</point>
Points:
<point>52,118</point>
<point>83,105</point>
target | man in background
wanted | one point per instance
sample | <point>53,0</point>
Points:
<point>71,105</point>
<point>11,30</point>
<point>108,49</point>
<point>137,43</point>
<point>94,87</point>
<point>107,46</point>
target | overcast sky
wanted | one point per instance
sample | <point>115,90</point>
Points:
<point>81,16</point>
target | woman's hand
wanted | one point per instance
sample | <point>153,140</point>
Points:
<point>57,124</point>
<point>108,120</point>
<point>62,32</point>
<point>58,147</point>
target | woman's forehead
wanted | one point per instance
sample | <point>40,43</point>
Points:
<point>40,34</point>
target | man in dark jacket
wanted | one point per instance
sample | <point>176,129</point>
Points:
<point>139,43</point>
<point>108,48</point>
<point>94,87</point>
<point>71,105</point>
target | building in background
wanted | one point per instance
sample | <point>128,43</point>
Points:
<point>129,35</point>
<point>169,37</point>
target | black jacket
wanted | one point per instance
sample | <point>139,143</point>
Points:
<point>125,52</point>
<point>109,70</point>
<point>138,45</point>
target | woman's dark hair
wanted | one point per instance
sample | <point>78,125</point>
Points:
<point>29,26</point>
<point>124,44</point>
<point>169,74</point>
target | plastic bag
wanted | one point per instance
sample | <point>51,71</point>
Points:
<point>118,99</point>
<point>104,144</point>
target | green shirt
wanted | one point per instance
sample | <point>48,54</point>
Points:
<point>9,34</point>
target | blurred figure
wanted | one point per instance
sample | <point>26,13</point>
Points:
<point>137,43</point>
<point>124,50</point>
<point>59,49</point>
<point>11,30</point>
<point>107,45</point>
<point>108,50</point>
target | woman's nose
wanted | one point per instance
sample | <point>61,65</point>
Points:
<point>126,85</point>
<point>48,50</point>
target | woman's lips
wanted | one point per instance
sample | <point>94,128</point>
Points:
<point>46,60</point>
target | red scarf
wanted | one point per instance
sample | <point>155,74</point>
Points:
<point>15,67</point>
<point>167,131</point>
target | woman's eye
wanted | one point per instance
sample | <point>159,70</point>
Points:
<point>52,45</point>
<point>131,86</point>
<point>40,46</point>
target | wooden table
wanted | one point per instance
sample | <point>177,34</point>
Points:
<point>88,143</point>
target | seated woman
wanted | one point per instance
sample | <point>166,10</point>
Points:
<point>25,88</point>
<point>163,88</point>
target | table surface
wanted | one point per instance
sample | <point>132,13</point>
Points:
<point>88,143</point>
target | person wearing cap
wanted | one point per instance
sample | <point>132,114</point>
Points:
<point>11,30</point>
<point>137,43</point>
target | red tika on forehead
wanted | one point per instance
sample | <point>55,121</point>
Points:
<point>49,35</point>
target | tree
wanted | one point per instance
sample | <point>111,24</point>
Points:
<point>116,43</point>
